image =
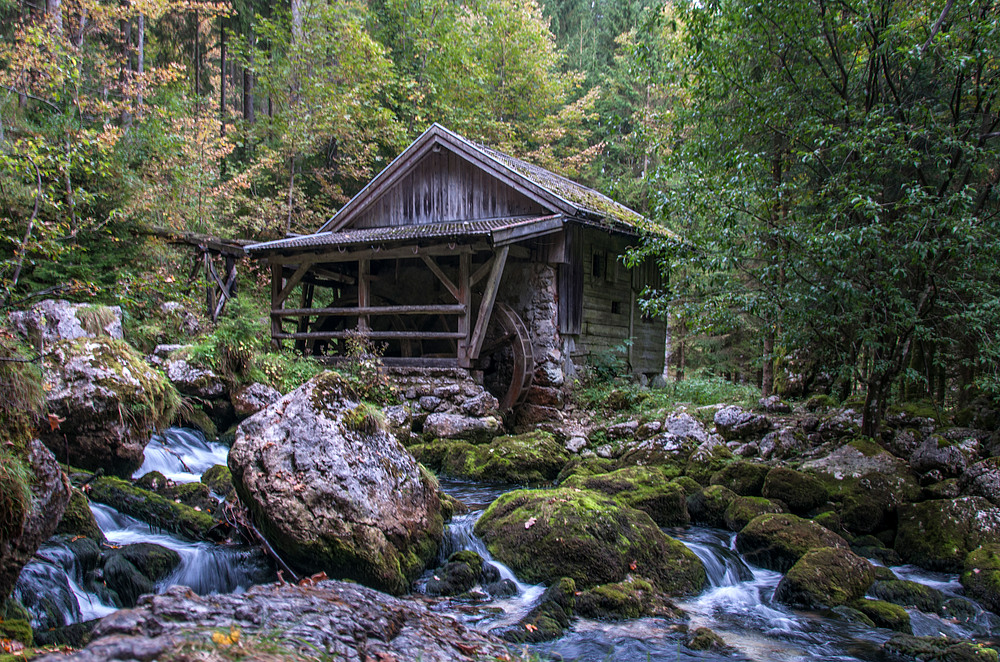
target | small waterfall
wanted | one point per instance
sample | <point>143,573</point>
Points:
<point>181,455</point>
<point>972,622</point>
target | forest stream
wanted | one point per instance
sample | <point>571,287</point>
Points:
<point>737,604</point>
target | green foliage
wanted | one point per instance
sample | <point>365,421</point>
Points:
<point>365,372</point>
<point>366,418</point>
<point>15,494</point>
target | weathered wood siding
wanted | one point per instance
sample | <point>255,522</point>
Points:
<point>610,309</point>
<point>441,188</point>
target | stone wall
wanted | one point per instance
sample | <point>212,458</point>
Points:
<point>443,391</point>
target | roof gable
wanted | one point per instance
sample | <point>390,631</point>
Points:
<point>443,177</point>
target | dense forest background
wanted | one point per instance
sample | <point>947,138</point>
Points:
<point>830,169</point>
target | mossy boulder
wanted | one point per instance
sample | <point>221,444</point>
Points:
<point>940,534</point>
<point>78,519</point>
<point>908,594</point>
<point>981,576</point>
<point>742,509</point>
<point>707,460</point>
<point>220,480</point>
<point>937,649</point>
<point>778,541</point>
<point>705,639</point>
<point>800,491</point>
<point>111,401</point>
<point>587,536</point>
<point>153,561</point>
<point>744,478</point>
<point>152,508</point>
<point>634,597</point>
<point>462,571</point>
<point>884,614</point>
<point>549,619</point>
<point>529,458</point>
<point>708,505</point>
<point>644,488</point>
<point>16,629</point>
<point>825,577</point>
<point>194,495</point>
<point>831,520</point>
<point>587,466</point>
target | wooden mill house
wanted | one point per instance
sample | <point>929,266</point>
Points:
<point>457,255</point>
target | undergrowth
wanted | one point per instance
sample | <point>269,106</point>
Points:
<point>622,395</point>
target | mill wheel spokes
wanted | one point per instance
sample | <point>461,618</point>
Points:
<point>506,357</point>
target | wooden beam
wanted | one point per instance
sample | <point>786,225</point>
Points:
<point>374,335</point>
<point>436,270</point>
<point>489,298</point>
<point>400,253</point>
<point>354,311</point>
<point>306,303</point>
<point>276,282</point>
<point>292,282</point>
<point>481,272</point>
<point>465,298</point>
<point>402,361</point>
<point>528,231</point>
<point>364,296</point>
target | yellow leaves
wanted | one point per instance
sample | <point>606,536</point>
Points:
<point>530,628</point>
<point>226,639</point>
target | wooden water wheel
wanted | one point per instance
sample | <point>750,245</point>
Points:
<point>506,358</point>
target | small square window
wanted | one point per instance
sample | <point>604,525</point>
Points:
<point>616,307</point>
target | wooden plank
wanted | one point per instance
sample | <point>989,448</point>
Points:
<point>374,335</point>
<point>354,311</point>
<point>306,303</point>
<point>276,282</point>
<point>364,295</point>
<point>481,272</point>
<point>436,270</point>
<point>465,320</point>
<point>535,229</point>
<point>402,252</point>
<point>400,361</point>
<point>489,298</point>
<point>292,282</point>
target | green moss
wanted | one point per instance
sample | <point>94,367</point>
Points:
<point>708,505</point>
<point>195,417</point>
<point>777,542</point>
<point>825,577</point>
<point>884,614</point>
<point>154,561</point>
<point>940,534</point>
<point>918,409</point>
<point>820,401</point>
<point>365,418</point>
<point>585,535</point>
<point>702,467</point>
<point>742,509</point>
<point>151,507</point>
<point>938,649</point>
<point>644,488</point>
<point>15,494</point>
<point>219,480</point>
<point>800,491</point>
<point>195,495</point>
<point>549,619</point>
<point>17,630</point>
<point>78,520</point>
<point>867,447</point>
<point>981,576</point>
<point>909,594</point>
<point>588,466</point>
<point>831,520</point>
<point>704,639</point>
<point>524,459</point>
<point>744,478</point>
<point>688,484</point>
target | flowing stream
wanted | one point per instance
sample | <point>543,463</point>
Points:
<point>737,604</point>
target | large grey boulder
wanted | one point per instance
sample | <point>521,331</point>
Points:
<point>106,402</point>
<point>333,619</point>
<point>940,533</point>
<point>983,479</point>
<point>935,453</point>
<point>333,491</point>
<point>52,320</point>
<point>50,493</point>
<point>250,399</point>
<point>735,423</point>
<point>194,380</point>
<point>455,426</point>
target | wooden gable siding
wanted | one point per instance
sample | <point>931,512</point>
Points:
<point>444,187</point>
<point>610,308</point>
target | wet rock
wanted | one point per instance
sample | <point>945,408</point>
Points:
<point>644,488</point>
<point>937,454</point>
<point>908,594</point>
<point>335,619</point>
<point>885,615</point>
<point>548,619</point>
<point>825,577</point>
<point>744,478</point>
<point>194,380</point>
<point>936,649</point>
<point>983,479</point>
<point>78,519</point>
<point>831,520</point>
<point>632,598</point>
<point>665,450</point>
<point>735,423</point>
<point>576,444</point>
<point>455,426</point>
<point>153,508</point>
<point>743,509</point>
<point>112,402</point>
<point>774,405</point>
<point>530,458</point>
<point>778,541</point>
<point>709,458</point>
<point>504,588</point>
<point>708,505</point>
<point>852,615</point>
<point>800,491</point>
<point>39,515</point>
<point>220,481</point>
<point>53,320</point>
<point>463,570</point>
<point>250,399</point>
<point>704,639</point>
<point>333,498</point>
<point>981,576</point>
<point>587,536</point>
<point>939,534</point>
<point>134,570</point>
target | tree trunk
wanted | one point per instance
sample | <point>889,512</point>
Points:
<point>54,10</point>
<point>125,35</point>
<point>197,56</point>
<point>222,77</point>
<point>140,58</point>
<point>767,369</point>
<point>248,110</point>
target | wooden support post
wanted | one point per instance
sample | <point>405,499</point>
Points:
<point>303,325</point>
<point>436,270</point>
<point>276,304</point>
<point>293,281</point>
<point>489,298</point>
<point>464,298</point>
<point>364,276</point>
<point>209,285</point>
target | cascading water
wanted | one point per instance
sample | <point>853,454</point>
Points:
<point>181,455</point>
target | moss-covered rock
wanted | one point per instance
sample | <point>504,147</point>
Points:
<point>704,639</point>
<point>220,481</point>
<point>851,615</point>
<point>450,506</point>
<point>706,462</point>
<point>530,458</point>
<point>550,617</point>
<point>586,466</point>
<point>778,541</point>
<point>825,577</point>
<point>940,534</point>
<point>152,508</point>
<point>981,576</point>
<point>154,481</point>
<point>908,594</point>
<point>742,509</point>
<point>885,614</point>
<point>154,561</point>
<point>643,488</point>
<point>462,571</point>
<point>197,418</point>
<point>194,495</point>
<point>708,505</point>
<point>632,598</point>
<point>800,491</point>
<point>688,484</point>
<point>17,630</point>
<point>937,649</point>
<point>585,535</point>
<point>111,399</point>
<point>122,577</point>
<point>78,520</point>
<point>744,478</point>
<point>831,520</point>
